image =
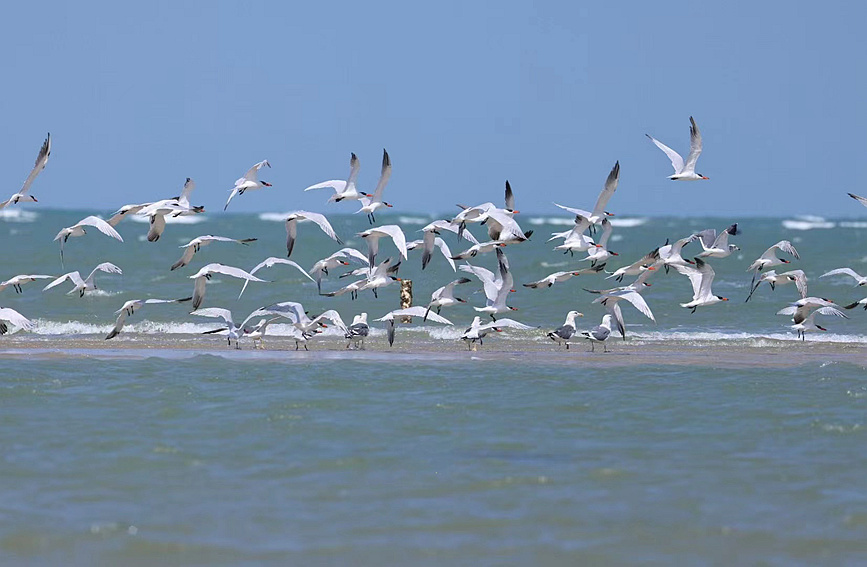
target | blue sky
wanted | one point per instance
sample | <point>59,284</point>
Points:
<point>549,95</point>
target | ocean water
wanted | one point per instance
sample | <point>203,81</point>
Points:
<point>713,438</point>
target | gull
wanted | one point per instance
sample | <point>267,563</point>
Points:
<point>398,314</point>
<point>292,227</point>
<point>477,331</point>
<point>717,246</point>
<point>270,263</point>
<point>809,324</point>
<point>774,279</point>
<point>445,296</point>
<point>17,281</point>
<point>859,280</point>
<point>41,160</point>
<point>671,254</point>
<point>497,294</point>
<point>801,308</point>
<point>357,331</point>
<point>701,277</point>
<point>684,171</point>
<point>88,284</point>
<point>233,331</point>
<point>372,236</point>
<point>249,182</point>
<point>131,307</point>
<point>558,277</point>
<point>343,190</point>
<point>598,213</point>
<point>9,315</point>
<point>194,245</point>
<point>204,274</point>
<point>78,230</point>
<point>339,258</point>
<point>563,333</point>
<point>599,334</point>
<point>370,203</point>
<point>435,241</point>
<point>600,253</point>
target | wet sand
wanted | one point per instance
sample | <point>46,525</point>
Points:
<point>763,352</point>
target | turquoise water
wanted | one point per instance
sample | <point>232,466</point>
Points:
<point>711,438</point>
<point>204,460</point>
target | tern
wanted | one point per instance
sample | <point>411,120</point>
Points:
<point>393,317</point>
<point>808,324</point>
<point>357,331</point>
<point>684,171</point>
<point>599,334</point>
<point>257,333</point>
<point>717,246</point>
<point>296,313</point>
<point>600,253</point>
<point>480,248</point>
<point>701,277</point>
<point>477,332</point>
<point>339,258</point>
<point>233,332</point>
<point>496,294</point>
<point>672,254</point>
<point>372,236</point>
<point>774,279</point>
<point>437,242</point>
<point>270,263</point>
<point>131,307</point>
<point>17,281</point>
<point>203,275</point>
<point>371,203</point>
<point>343,190</point>
<point>770,259</point>
<point>78,230</point>
<point>563,333</point>
<point>292,227</point>
<point>159,210</point>
<point>599,212</point>
<point>194,245</point>
<point>379,277</point>
<point>558,277</point>
<point>636,268</point>
<point>445,297</point>
<point>9,315</point>
<point>80,285</point>
<point>799,310</point>
<point>859,279</point>
<point>249,182</point>
<point>41,160</point>
<point>575,240</point>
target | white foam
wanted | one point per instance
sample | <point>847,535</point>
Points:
<point>413,220</point>
<point>853,224</point>
<point>17,215</point>
<point>756,339</point>
<point>274,217</point>
<point>627,222</point>
<point>557,221</point>
<point>807,222</point>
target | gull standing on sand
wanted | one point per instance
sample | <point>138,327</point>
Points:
<point>81,285</point>
<point>599,334</point>
<point>194,245</point>
<point>17,281</point>
<point>204,275</point>
<point>392,317</point>
<point>131,307</point>
<point>357,331</point>
<point>292,227</point>
<point>41,160</point>
<point>563,333</point>
<point>78,230</point>
<point>249,182</point>
<point>343,190</point>
<point>684,171</point>
<point>9,315</point>
<point>371,203</point>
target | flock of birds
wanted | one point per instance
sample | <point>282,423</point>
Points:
<point>589,235</point>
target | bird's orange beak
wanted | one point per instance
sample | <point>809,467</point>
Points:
<point>703,177</point>
<point>821,328</point>
<point>266,184</point>
<point>725,298</point>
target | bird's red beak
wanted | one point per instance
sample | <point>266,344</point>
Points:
<point>821,328</point>
<point>513,308</point>
<point>703,177</point>
<point>515,212</point>
<point>387,205</point>
<point>613,253</point>
<point>266,184</point>
<point>725,298</point>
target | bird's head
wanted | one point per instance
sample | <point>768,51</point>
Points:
<point>266,184</point>
<point>784,261</point>
<point>721,298</point>
<point>459,300</point>
<point>389,205</point>
<point>608,214</point>
<point>821,328</point>
<point>513,308</point>
<point>646,284</point>
<point>702,176</point>
<point>613,253</point>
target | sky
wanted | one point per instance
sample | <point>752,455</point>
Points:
<point>463,95</point>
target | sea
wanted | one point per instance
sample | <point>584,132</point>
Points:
<point>709,438</point>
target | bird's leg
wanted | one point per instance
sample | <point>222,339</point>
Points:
<point>375,294</point>
<point>492,318</point>
<point>592,346</point>
<point>693,309</point>
<point>604,347</point>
